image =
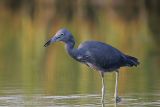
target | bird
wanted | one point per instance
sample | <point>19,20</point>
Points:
<point>97,55</point>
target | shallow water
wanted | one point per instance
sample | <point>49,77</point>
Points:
<point>138,87</point>
<point>85,100</point>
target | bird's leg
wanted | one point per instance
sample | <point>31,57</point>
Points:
<point>116,84</point>
<point>103,87</point>
<point>117,99</point>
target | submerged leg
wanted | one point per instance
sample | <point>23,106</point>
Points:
<point>117,99</point>
<point>103,87</point>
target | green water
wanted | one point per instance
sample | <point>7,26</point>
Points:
<point>34,76</point>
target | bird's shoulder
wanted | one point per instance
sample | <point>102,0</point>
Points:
<point>99,52</point>
<point>84,51</point>
<point>90,50</point>
<point>97,46</point>
<point>87,48</point>
<point>92,43</point>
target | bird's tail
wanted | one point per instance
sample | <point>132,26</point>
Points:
<point>132,61</point>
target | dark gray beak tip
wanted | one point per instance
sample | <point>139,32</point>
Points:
<point>47,44</point>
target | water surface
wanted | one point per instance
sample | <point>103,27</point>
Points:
<point>85,100</point>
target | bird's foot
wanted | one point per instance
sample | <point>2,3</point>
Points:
<point>118,99</point>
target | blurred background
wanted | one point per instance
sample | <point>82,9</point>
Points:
<point>29,69</point>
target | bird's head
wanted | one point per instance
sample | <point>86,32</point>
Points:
<point>62,35</point>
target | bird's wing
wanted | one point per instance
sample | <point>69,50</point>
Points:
<point>84,57</point>
<point>101,55</point>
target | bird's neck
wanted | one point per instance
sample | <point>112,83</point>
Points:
<point>70,48</point>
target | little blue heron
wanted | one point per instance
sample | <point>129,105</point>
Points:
<point>96,55</point>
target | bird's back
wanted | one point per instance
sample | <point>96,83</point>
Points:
<point>102,56</point>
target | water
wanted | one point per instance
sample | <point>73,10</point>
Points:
<point>77,100</point>
<point>133,93</point>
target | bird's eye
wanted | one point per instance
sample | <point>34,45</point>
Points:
<point>62,34</point>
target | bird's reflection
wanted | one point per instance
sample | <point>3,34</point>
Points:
<point>103,104</point>
<point>115,104</point>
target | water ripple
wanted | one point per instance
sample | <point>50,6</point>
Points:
<point>85,100</point>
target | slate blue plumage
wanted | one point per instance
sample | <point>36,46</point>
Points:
<point>97,55</point>
<point>104,57</point>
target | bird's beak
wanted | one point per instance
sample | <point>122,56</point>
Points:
<point>52,40</point>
